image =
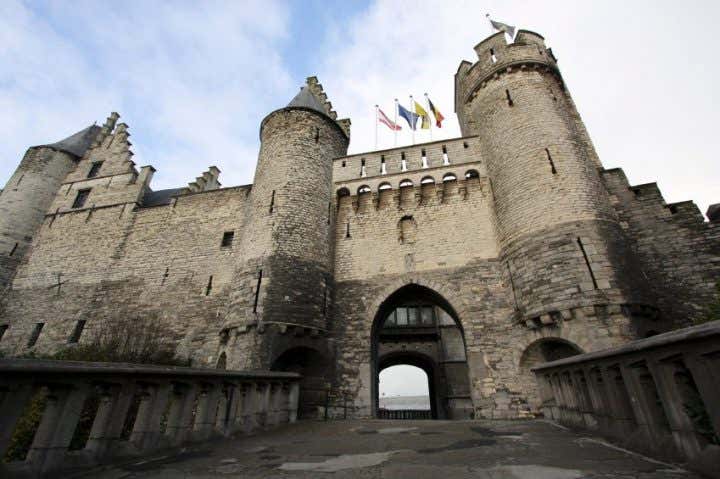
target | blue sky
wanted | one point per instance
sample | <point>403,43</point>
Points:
<point>194,79</point>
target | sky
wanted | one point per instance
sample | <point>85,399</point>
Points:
<point>193,80</point>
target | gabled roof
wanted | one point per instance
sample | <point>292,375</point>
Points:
<point>78,143</point>
<point>305,99</point>
<point>160,197</point>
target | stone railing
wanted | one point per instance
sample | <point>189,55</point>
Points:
<point>119,409</point>
<point>660,395</point>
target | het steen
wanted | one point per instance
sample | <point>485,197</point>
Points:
<point>474,258</point>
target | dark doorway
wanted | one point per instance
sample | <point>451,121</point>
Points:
<point>313,367</point>
<point>538,352</point>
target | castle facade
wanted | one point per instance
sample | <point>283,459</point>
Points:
<point>474,258</point>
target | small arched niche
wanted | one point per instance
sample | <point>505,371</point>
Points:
<point>406,183</point>
<point>427,180</point>
<point>449,177</point>
<point>472,174</point>
<point>363,190</point>
<point>384,186</point>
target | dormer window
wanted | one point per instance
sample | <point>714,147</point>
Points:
<point>94,169</point>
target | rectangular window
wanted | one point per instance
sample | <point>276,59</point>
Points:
<point>413,317</point>
<point>227,239</point>
<point>3,328</point>
<point>446,158</point>
<point>402,316</point>
<point>363,173</point>
<point>94,169</point>
<point>35,334</point>
<point>383,167</point>
<point>257,291</point>
<point>423,159</point>
<point>77,332</point>
<point>427,316</point>
<point>81,198</point>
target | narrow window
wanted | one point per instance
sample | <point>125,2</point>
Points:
<point>347,229</point>
<point>509,98</point>
<point>550,160</point>
<point>423,158</point>
<point>94,169</point>
<point>165,276</point>
<point>317,134</point>
<point>19,180</point>
<point>446,159</point>
<point>363,173</point>
<point>324,304</point>
<point>3,328</point>
<point>257,291</point>
<point>587,262</point>
<point>383,167</point>
<point>512,287</point>
<point>272,202</point>
<point>343,164</point>
<point>35,334</point>
<point>465,144</point>
<point>227,239</point>
<point>81,198</point>
<point>403,162</point>
<point>14,248</point>
<point>493,58</point>
<point>208,288</point>
<point>77,332</point>
<point>329,212</point>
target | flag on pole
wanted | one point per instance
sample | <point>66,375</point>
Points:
<point>502,27</point>
<point>425,125</point>
<point>382,118</point>
<point>409,116</point>
<point>438,116</point>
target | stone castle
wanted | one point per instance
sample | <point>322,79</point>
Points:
<point>474,258</point>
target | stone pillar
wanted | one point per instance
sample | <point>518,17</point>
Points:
<point>598,398</point>
<point>249,403</point>
<point>293,398</point>
<point>15,398</point>
<point>706,373</point>
<point>207,407</point>
<point>57,426</point>
<point>681,427</point>
<point>115,401</point>
<point>585,405</point>
<point>262,403</point>
<point>180,415</point>
<point>622,420</point>
<point>146,432</point>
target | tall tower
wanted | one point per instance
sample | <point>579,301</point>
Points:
<point>288,247</point>
<point>558,231</point>
<point>31,190</point>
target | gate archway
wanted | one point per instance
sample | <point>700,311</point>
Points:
<point>416,325</point>
<point>314,369</point>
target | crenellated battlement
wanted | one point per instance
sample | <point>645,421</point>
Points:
<point>497,57</point>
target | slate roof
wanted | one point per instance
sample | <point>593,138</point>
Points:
<point>305,99</point>
<point>78,143</point>
<point>160,197</point>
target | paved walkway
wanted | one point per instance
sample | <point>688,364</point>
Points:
<point>405,449</point>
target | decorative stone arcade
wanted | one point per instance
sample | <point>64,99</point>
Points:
<point>418,327</point>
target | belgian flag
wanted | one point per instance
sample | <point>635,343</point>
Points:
<point>438,116</point>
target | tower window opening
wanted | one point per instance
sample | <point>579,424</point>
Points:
<point>94,169</point>
<point>227,239</point>
<point>383,166</point>
<point>550,160</point>
<point>77,332</point>
<point>446,158</point>
<point>363,173</point>
<point>423,159</point>
<point>35,334</point>
<point>465,144</point>
<point>257,291</point>
<point>509,98</point>
<point>317,134</point>
<point>347,229</point>
<point>344,164</point>
<point>403,162</point>
<point>81,198</point>
<point>272,202</point>
<point>493,58</point>
<point>329,216</point>
<point>208,288</point>
<point>587,263</point>
<point>14,248</point>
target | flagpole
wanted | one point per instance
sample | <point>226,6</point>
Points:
<point>412,105</point>
<point>427,104</point>
<point>492,29</point>
<point>395,129</point>
<point>376,125</point>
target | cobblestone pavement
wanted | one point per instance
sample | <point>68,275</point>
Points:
<point>404,449</point>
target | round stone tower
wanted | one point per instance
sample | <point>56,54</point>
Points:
<point>558,231</point>
<point>288,249</point>
<point>30,191</point>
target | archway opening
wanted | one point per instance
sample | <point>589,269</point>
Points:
<point>404,391</point>
<point>314,368</point>
<point>542,351</point>
<point>416,326</point>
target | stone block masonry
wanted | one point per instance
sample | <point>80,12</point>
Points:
<point>526,248</point>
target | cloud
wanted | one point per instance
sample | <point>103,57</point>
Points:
<point>192,81</point>
<point>640,73</point>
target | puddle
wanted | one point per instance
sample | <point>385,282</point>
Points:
<point>346,461</point>
<point>467,444</point>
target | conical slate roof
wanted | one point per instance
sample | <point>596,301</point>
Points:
<point>78,143</point>
<point>305,99</point>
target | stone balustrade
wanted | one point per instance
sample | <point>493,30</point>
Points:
<point>133,409</point>
<point>659,395</point>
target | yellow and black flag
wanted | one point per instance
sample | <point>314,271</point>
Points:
<point>438,116</point>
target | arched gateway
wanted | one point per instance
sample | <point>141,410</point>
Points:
<point>417,326</point>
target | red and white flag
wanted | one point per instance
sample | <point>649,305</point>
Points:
<point>382,118</point>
